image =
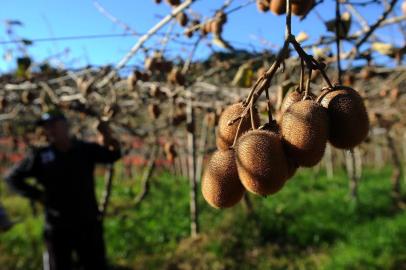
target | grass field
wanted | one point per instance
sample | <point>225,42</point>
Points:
<point>310,224</point>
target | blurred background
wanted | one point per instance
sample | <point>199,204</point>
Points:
<point>162,82</point>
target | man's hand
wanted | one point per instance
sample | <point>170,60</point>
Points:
<point>105,136</point>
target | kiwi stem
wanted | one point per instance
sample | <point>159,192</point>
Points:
<point>307,90</point>
<point>270,118</point>
<point>237,132</point>
<point>302,71</point>
<point>338,41</point>
<point>252,116</point>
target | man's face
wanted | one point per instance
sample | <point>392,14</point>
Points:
<point>56,131</point>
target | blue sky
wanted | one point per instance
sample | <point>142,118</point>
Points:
<point>247,28</point>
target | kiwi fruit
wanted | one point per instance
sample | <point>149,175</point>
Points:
<point>221,187</point>
<point>305,129</point>
<point>176,77</point>
<point>263,5</point>
<point>293,97</point>
<point>173,3</point>
<point>155,91</point>
<point>182,19</point>
<point>225,132</point>
<point>261,162</point>
<point>27,97</point>
<point>299,7</point>
<point>278,7</point>
<point>154,111</point>
<point>349,123</point>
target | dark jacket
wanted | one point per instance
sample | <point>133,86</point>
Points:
<point>64,180</point>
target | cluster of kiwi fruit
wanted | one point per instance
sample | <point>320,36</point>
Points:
<point>214,25</point>
<point>278,7</point>
<point>264,158</point>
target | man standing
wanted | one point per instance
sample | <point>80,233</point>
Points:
<point>65,186</point>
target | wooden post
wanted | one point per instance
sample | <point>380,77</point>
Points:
<point>202,146</point>
<point>397,169</point>
<point>352,176</point>
<point>404,158</point>
<point>328,159</point>
<point>191,141</point>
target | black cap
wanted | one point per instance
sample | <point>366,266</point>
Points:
<point>50,116</point>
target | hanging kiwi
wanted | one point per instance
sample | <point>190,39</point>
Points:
<point>299,7</point>
<point>133,78</point>
<point>225,132</point>
<point>182,19</point>
<point>293,97</point>
<point>221,187</point>
<point>304,129</point>
<point>278,7</point>
<point>349,123</point>
<point>173,3</point>
<point>261,162</point>
<point>27,97</point>
<point>176,77</point>
<point>154,111</point>
<point>263,5</point>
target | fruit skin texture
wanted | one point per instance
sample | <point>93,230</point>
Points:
<point>226,133</point>
<point>293,97</point>
<point>261,162</point>
<point>305,129</point>
<point>349,123</point>
<point>221,187</point>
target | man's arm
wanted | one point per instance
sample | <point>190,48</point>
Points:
<point>17,178</point>
<point>104,154</point>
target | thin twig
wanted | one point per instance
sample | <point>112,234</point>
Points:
<point>143,39</point>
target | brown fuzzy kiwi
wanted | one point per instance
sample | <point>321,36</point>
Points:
<point>173,3</point>
<point>304,129</point>
<point>176,77</point>
<point>133,78</point>
<point>182,19</point>
<point>155,91</point>
<point>226,133</point>
<point>154,111</point>
<point>263,5</point>
<point>221,187</point>
<point>293,97</point>
<point>261,162</point>
<point>349,123</point>
<point>301,7</point>
<point>27,97</point>
<point>278,7</point>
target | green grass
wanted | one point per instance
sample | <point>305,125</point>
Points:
<point>310,224</point>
